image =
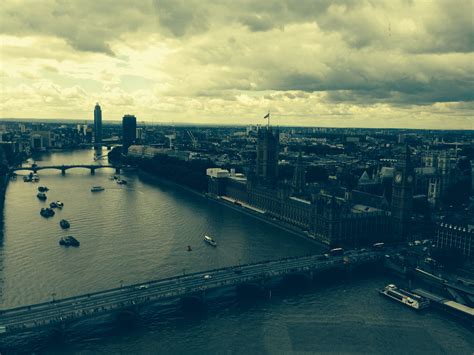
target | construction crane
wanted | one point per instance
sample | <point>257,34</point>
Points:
<point>193,139</point>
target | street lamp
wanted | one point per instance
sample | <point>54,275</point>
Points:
<point>53,295</point>
<point>121,283</point>
<point>184,272</point>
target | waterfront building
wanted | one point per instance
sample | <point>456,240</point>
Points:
<point>97,124</point>
<point>129,131</point>
<point>330,219</point>
<point>40,140</point>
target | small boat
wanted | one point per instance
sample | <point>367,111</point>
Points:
<point>53,205</point>
<point>64,224</point>
<point>42,196</point>
<point>69,241</point>
<point>121,182</point>
<point>42,189</point>
<point>59,204</point>
<point>35,178</point>
<point>97,188</point>
<point>27,178</point>
<point>47,212</point>
<point>210,241</point>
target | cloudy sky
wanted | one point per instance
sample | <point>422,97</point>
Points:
<point>392,63</point>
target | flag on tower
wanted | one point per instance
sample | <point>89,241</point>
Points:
<point>267,115</point>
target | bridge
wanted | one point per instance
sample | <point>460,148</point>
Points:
<point>63,168</point>
<point>58,313</point>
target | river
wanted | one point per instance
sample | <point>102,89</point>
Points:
<point>140,231</point>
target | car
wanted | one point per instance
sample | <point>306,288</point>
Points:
<point>142,287</point>
<point>207,277</point>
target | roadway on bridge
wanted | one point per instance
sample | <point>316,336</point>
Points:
<point>129,296</point>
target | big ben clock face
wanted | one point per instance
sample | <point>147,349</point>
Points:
<point>398,178</point>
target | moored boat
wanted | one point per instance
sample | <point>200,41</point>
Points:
<point>97,188</point>
<point>64,224</point>
<point>407,298</point>
<point>69,241</point>
<point>47,212</point>
<point>42,196</point>
<point>53,205</point>
<point>42,189</point>
<point>59,204</point>
<point>210,241</point>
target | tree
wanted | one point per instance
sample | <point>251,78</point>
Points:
<point>450,258</point>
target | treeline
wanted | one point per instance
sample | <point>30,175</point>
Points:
<point>188,173</point>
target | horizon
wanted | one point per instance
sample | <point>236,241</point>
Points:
<point>386,65</point>
<point>208,124</point>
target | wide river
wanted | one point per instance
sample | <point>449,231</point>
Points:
<point>140,231</point>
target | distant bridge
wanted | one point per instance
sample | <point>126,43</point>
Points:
<point>63,168</point>
<point>128,299</point>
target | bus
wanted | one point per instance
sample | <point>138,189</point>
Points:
<point>336,252</point>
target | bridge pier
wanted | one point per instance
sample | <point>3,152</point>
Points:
<point>117,170</point>
<point>63,171</point>
<point>92,171</point>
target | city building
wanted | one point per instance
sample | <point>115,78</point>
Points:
<point>97,124</point>
<point>129,131</point>
<point>457,237</point>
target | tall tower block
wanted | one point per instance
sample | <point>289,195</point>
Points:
<point>97,124</point>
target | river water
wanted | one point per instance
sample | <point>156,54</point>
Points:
<point>140,231</point>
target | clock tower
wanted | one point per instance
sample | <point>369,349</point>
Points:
<point>402,196</point>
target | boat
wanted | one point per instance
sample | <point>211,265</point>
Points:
<point>53,205</point>
<point>210,241</point>
<point>407,298</point>
<point>47,212</point>
<point>42,189</point>
<point>69,241</point>
<point>59,204</point>
<point>97,188</point>
<point>64,224</point>
<point>121,182</point>
<point>27,178</point>
<point>42,196</point>
<point>35,178</point>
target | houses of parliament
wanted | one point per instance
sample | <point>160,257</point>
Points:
<point>333,215</point>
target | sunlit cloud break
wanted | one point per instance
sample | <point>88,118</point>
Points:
<point>313,63</point>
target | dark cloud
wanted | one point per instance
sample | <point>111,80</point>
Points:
<point>257,23</point>
<point>181,17</point>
